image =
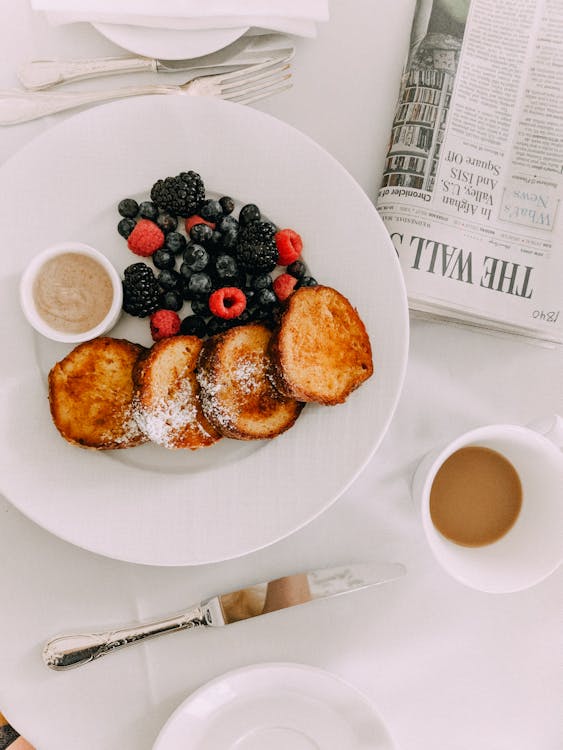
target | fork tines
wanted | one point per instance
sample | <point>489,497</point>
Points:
<point>245,86</point>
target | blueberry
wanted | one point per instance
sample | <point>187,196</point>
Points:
<point>148,210</point>
<point>211,211</point>
<point>170,280</point>
<point>306,281</point>
<point>266,298</point>
<point>201,308</point>
<point>128,208</point>
<point>228,223</point>
<point>215,241</point>
<point>227,204</point>
<point>218,325</point>
<point>172,300</point>
<point>226,267</point>
<point>193,325</point>
<point>125,227</point>
<point>196,257</point>
<point>201,233</point>
<point>175,241</point>
<point>248,214</point>
<point>261,281</point>
<point>185,271</point>
<point>164,258</point>
<point>297,269</point>
<point>200,284</point>
<point>230,239</point>
<point>167,222</point>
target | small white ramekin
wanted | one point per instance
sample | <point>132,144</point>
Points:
<point>28,303</point>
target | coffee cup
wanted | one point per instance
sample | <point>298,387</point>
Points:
<point>532,547</point>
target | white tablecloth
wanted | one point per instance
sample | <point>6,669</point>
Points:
<point>447,667</point>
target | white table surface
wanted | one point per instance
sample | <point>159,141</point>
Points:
<point>447,667</point>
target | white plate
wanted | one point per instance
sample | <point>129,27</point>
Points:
<point>168,44</point>
<point>147,504</point>
<point>275,706</point>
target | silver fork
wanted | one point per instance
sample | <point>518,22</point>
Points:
<point>244,86</point>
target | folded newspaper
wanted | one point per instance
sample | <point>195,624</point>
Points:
<point>473,177</point>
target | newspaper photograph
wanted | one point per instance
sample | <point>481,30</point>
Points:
<point>473,175</point>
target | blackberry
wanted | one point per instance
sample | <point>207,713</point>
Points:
<point>128,208</point>
<point>193,325</point>
<point>125,227</point>
<point>256,248</point>
<point>141,293</point>
<point>180,195</point>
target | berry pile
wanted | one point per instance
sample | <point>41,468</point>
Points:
<point>230,270</point>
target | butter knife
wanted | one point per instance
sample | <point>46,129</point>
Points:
<point>43,74</point>
<point>68,651</point>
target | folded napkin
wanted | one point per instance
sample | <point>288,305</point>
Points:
<point>297,17</point>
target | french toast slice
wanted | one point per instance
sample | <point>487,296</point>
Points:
<point>320,351</point>
<point>165,399</point>
<point>90,394</point>
<point>236,394</point>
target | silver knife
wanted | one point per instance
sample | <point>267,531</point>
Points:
<point>68,651</point>
<point>43,74</point>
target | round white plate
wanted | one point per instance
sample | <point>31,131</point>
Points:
<point>275,706</point>
<point>168,44</point>
<point>147,504</point>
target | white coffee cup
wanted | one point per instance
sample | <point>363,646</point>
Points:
<point>532,549</point>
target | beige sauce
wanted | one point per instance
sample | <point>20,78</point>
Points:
<point>73,293</point>
<point>476,497</point>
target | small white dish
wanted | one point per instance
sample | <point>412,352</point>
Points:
<point>28,301</point>
<point>531,550</point>
<point>276,706</point>
<point>168,44</point>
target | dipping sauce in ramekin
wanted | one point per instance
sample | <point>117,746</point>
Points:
<point>71,292</point>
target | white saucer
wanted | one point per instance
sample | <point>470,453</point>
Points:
<point>275,706</point>
<point>168,44</point>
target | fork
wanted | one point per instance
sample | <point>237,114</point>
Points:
<point>243,86</point>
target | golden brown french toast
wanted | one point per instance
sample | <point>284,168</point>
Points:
<point>165,399</point>
<point>236,394</point>
<point>90,394</point>
<point>320,350</point>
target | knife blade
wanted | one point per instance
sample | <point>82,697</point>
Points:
<point>38,75</point>
<point>256,600</point>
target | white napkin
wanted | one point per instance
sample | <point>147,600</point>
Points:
<point>297,17</point>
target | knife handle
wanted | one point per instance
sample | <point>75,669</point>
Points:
<point>42,74</point>
<point>68,651</point>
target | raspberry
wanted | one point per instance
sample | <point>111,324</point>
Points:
<point>289,245</point>
<point>191,221</point>
<point>164,323</point>
<point>228,302</point>
<point>145,238</point>
<point>284,285</point>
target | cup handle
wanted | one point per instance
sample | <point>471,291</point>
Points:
<point>550,427</point>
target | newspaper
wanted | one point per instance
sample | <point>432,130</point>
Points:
<point>473,177</point>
